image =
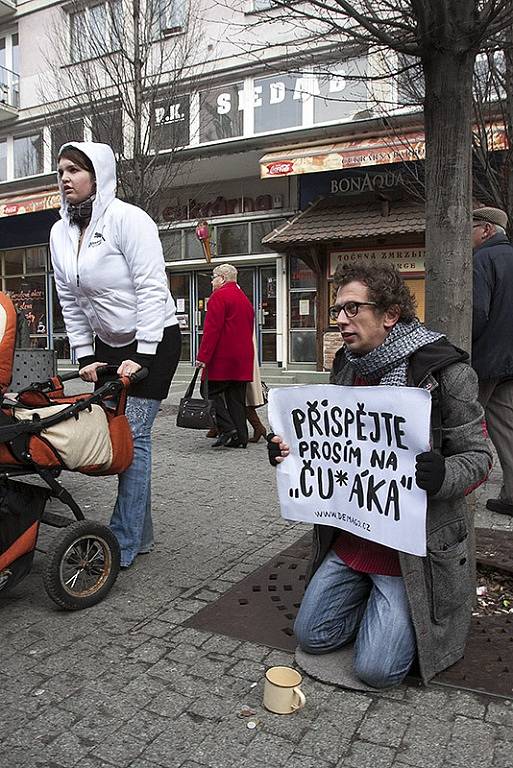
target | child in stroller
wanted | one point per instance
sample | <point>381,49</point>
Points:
<point>42,432</point>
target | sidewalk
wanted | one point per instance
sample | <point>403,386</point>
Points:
<point>124,684</point>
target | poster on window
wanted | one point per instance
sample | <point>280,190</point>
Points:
<point>352,459</point>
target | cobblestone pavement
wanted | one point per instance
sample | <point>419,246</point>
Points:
<point>125,684</point>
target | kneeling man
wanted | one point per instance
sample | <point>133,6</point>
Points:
<point>396,606</point>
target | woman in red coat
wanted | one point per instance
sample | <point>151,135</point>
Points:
<point>226,351</point>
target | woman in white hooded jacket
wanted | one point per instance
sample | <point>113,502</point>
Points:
<point>111,281</point>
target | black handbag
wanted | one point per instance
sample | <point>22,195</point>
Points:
<point>196,412</point>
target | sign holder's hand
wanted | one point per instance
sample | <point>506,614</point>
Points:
<point>429,471</point>
<point>277,450</point>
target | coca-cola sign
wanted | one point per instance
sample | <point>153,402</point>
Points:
<point>280,168</point>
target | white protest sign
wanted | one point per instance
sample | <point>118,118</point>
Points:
<point>352,459</point>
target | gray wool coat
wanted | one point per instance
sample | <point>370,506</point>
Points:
<point>440,586</point>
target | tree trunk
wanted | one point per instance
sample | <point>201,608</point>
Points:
<point>448,129</point>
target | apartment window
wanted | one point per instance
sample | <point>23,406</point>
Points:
<point>63,134</point>
<point>166,17</point>
<point>262,5</point>
<point>9,69</point>
<point>3,160</point>
<point>28,155</point>
<point>95,30</point>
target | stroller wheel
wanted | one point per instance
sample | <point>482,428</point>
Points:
<point>82,565</point>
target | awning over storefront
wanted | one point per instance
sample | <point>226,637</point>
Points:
<point>15,205</point>
<point>331,219</point>
<point>382,150</point>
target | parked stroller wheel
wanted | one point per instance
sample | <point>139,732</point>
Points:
<point>82,565</point>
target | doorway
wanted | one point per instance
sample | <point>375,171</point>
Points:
<point>191,291</point>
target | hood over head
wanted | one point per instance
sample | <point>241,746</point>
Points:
<point>104,164</point>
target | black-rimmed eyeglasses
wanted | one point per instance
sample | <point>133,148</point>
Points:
<point>350,308</point>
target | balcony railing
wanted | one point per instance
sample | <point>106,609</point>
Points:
<point>9,88</point>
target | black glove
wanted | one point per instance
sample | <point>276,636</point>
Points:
<point>430,471</point>
<point>273,450</point>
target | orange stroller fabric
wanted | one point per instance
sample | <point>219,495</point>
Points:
<point>7,340</point>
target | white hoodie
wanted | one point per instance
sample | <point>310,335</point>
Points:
<point>116,286</point>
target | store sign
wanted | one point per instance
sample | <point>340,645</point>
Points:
<point>408,260</point>
<point>16,206</point>
<point>345,155</point>
<point>358,181</point>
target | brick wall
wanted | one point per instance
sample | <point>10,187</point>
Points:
<point>330,343</point>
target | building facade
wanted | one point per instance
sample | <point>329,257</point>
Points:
<point>292,170</point>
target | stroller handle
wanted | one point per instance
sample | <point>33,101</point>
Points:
<point>107,370</point>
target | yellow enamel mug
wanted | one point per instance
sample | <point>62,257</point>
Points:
<point>282,694</point>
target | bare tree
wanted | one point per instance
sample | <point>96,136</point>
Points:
<point>493,89</point>
<point>444,36</point>
<point>129,74</point>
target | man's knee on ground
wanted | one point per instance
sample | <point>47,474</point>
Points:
<point>312,641</point>
<point>374,673</point>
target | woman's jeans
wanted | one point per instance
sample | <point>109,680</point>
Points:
<point>341,605</point>
<point>131,520</point>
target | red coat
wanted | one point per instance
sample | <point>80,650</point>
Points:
<point>227,344</point>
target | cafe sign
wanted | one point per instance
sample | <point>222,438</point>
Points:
<point>407,260</point>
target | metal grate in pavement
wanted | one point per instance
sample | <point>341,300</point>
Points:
<point>495,548</point>
<point>487,666</point>
<point>262,607</point>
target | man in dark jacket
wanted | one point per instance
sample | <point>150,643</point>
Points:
<point>393,605</point>
<point>492,339</point>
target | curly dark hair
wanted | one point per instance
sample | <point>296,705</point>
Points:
<point>385,284</point>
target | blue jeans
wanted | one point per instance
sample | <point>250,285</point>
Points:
<point>341,605</point>
<point>131,520</point>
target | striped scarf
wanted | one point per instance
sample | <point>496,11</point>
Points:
<point>387,364</point>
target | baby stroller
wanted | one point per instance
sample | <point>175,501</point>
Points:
<point>42,432</point>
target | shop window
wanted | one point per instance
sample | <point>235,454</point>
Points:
<point>107,127</point>
<point>28,294</point>
<point>192,246</point>
<point>13,261</point>
<point>3,160</point>
<point>340,91</point>
<point>259,229</point>
<point>73,130</point>
<point>278,102</point>
<point>36,259</point>
<point>172,245</point>
<point>58,320</point>
<point>221,115</point>
<point>300,275</point>
<point>170,123</point>
<point>232,239</point>
<point>28,155</point>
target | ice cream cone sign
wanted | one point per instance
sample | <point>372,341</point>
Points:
<point>203,235</point>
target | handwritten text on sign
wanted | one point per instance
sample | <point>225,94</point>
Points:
<point>352,459</point>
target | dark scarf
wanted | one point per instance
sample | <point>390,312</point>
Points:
<point>387,364</point>
<point>81,214</point>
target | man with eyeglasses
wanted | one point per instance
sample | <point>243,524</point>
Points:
<point>396,607</point>
<point>492,339</point>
